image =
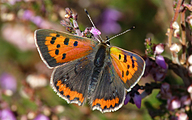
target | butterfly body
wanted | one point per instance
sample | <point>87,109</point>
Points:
<point>86,69</point>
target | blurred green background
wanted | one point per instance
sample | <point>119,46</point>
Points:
<point>20,59</point>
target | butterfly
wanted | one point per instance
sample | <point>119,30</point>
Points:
<point>86,69</point>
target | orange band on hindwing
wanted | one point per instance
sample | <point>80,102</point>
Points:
<point>106,103</point>
<point>71,95</point>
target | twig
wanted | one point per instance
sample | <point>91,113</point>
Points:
<point>181,71</point>
<point>183,37</point>
<point>174,19</point>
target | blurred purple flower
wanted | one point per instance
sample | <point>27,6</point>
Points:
<point>41,117</point>
<point>109,21</point>
<point>182,116</point>
<point>111,27</point>
<point>173,103</point>
<point>165,91</point>
<point>8,82</point>
<point>20,36</point>
<point>148,67</point>
<point>27,15</point>
<point>7,114</point>
<point>111,15</point>
<point>158,73</point>
<point>12,2</point>
<point>185,100</point>
<point>37,20</point>
<point>161,61</point>
<point>127,99</point>
<point>137,100</point>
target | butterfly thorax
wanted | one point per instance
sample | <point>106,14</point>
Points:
<point>98,66</point>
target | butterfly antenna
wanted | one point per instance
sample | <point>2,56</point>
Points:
<point>91,21</point>
<point>120,34</point>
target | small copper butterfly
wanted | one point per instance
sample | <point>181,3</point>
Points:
<point>85,69</point>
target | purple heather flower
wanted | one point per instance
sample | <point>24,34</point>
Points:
<point>161,61</point>
<point>133,96</point>
<point>127,99</point>
<point>95,31</point>
<point>182,116</point>
<point>7,114</point>
<point>78,32</point>
<point>109,21</point>
<point>41,117</point>
<point>148,67</point>
<point>155,70</point>
<point>8,82</point>
<point>137,100</point>
<point>158,73</point>
<point>159,48</point>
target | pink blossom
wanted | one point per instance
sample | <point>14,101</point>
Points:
<point>173,103</point>
<point>41,117</point>
<point>7,114</point>
<point>8,82</point>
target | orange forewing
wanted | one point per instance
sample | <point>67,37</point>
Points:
<point>123,64</point>
<point>67,48</point>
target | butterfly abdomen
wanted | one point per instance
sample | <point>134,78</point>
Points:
<point>98,65</point>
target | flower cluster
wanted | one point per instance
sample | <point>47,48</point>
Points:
<point>178,97</point>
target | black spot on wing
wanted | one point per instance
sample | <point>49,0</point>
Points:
<point>58,46</point>
<point>133,62</point>
<point>66,41</point>
<point>119,56</point>
<point>127,73</point>
<point>125,58</point>
<point>122,73</point>
<point>56,52</point>
<point>64,56</point>
<point>75,43</point>
<point>128,66</point>
<point>53,40</point>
